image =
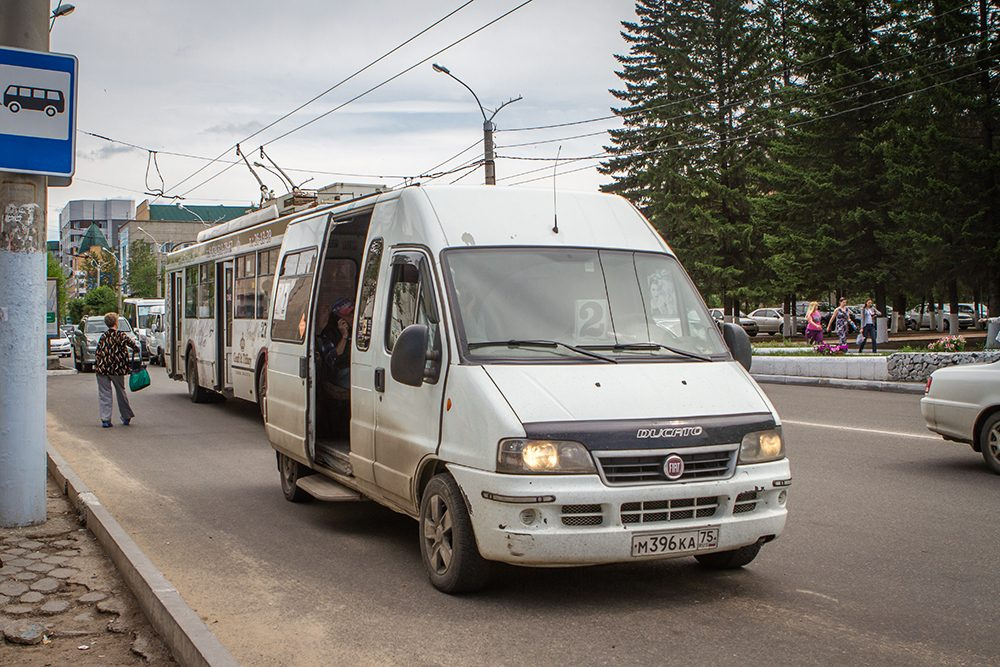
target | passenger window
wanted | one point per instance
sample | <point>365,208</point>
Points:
<point>246,286</point>
<point>410,300</point>
<point>191,292</point>
<point>266,263</point>
<point>206,291</point>
<point>291,296</point>
<point>366,306</point>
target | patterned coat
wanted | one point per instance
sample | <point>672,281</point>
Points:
<point>113,353</point>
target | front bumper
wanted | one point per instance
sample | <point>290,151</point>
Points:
<point>548,540</point>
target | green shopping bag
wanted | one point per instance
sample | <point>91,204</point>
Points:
<point>138,379</point>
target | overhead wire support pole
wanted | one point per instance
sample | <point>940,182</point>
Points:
<point>24,24</point>
<point>489,161</point>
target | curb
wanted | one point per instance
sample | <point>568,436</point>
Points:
<point>839,383</point>
<point>190,641</point>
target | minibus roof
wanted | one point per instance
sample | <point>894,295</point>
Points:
<point>499,216</point>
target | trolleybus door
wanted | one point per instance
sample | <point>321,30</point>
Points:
<point>225,324</point>
<point>176,309</point>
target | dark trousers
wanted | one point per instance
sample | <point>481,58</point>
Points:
<point>866,333</point>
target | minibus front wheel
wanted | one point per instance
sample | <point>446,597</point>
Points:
<point>447,542</point>
<point>291,471</point>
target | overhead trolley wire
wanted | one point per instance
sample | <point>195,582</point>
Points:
<point>376,87</point>
<point>330,89</point>
<point>694,98</point>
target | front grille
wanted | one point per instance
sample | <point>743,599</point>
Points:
<point>654,511</point>
<point>582,515</point>
<point>746,502</point>
<point>717,463</point>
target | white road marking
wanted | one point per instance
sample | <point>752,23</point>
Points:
<point>841,427</point>
<point>819,595</point>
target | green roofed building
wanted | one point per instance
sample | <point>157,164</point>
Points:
<point>93,237</point>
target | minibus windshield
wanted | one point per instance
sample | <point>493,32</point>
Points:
<point>623,304</point>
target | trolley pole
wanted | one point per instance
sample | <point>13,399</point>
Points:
<point>23,201</point>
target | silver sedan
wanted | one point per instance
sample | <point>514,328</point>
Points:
<point>769,320</point>
<point>962,403</point>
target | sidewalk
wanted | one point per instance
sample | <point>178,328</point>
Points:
<point>62,602</point>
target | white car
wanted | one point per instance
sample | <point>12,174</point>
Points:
<point>60,346</point>
<point>962,403</point>
<point>769,320</point>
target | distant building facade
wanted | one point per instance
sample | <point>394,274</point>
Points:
<point>79,214</point>
<point>169,227</point>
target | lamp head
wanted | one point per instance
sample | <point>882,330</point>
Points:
<point>440,68</point>
<point>63,10</point>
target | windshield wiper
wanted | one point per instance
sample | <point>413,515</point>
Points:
<point>620,347</point>
<point>540,343</point>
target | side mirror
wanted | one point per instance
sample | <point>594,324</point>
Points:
<point>739,344</point>
<point>409,356</point>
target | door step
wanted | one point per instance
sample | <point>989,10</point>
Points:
<point>323,488</point>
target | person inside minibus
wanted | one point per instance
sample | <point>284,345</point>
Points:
<point>334,345</point>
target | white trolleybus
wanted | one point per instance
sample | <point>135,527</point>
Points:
<point>218,297</point>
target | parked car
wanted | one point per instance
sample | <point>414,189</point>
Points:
<point>59,346</point>
<point>962,403</point>
<point>748,324</point>
<point>965,317</point>
<point>85,337</point>
<point>769,320</point>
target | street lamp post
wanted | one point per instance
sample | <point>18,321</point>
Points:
<point>489,163</point>
<point>159,252</point>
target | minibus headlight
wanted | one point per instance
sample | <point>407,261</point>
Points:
<point>531,457</point>
<point>762,446</point>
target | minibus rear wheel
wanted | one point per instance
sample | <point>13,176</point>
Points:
<point>729,560</point>
<point>447,542</point>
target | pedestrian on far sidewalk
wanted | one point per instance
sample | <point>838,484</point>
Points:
<point>111,365</point>
<point>841,320</point>
<point>814,324</point>
<point>868,329</point>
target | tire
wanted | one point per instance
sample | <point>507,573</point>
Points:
<point>260,389</point>
<point>447,541</point>
<point>989,442</point>
<point>76,361</point>
<point>50,111</point>
<point>195,391</point>
<point>729,560</point>
<point>14,107</point>
<point>161,358</point>
<point>781,329</point>
<point>292,471</point>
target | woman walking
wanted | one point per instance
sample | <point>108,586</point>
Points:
<point>112,363</point>
<point>814,324</point>
<point>841,320</point>
<point>868,315</point>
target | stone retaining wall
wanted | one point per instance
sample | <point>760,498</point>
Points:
<point>918,366</point>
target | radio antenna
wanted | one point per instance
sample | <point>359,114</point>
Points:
<point>555,210</point>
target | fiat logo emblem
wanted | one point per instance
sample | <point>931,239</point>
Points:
<point>673,467</point>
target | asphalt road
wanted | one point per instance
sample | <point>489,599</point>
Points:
<point>889,556</point>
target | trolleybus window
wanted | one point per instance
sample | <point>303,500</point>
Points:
<point>206,291</point>
<point>191,292</point>
<point>267,261</point>
<point>246,286</point>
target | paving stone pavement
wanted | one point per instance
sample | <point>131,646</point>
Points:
<point>62,601</point>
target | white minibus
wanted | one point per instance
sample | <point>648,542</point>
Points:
<point>536,380</point>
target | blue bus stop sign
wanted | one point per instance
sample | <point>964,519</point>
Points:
<point>38,116</point>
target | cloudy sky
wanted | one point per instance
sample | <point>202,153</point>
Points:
<point>198,76</point>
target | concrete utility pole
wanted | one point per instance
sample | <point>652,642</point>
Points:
<point>23,203</point>
<point>489,164</point>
